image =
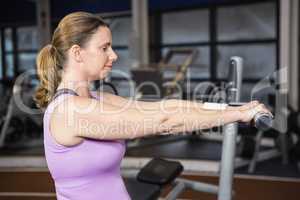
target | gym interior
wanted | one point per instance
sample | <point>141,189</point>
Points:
<point>218,51</point>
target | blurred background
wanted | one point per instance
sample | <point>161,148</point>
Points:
<point>185,43</point>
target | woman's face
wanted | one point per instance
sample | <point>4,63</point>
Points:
<point>98,55</point>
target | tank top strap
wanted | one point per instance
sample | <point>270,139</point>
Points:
<point>64,91</point>
<point>58,98</point>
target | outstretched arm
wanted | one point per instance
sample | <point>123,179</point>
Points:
<point>123,102</point>
<point>87,118</point>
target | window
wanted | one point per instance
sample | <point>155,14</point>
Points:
<point>199,68</point>
<point>27,47</point>
<point>8,39</point>
<point>247,30</point>
<point>121,28</point>
<point>1,54</point>
<point>256,21</point>
<point>21,46</point>
<point>259,60</point>
<point>27,38</point>
<point>252,91</point>
<point>26,61</point>
<point>185,27</point>
<point>9,52</point>
<point>9,65</point>
<point>188,29</point>
<point>123,62</point>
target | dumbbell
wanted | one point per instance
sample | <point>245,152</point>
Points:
<point>262,121</point>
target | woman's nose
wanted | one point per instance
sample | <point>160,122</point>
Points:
<point>113,56</point>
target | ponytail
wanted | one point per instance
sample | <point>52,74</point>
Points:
<point>75,28</point>
<point>48,69</point>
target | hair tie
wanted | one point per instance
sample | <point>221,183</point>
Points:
<point>54,52</point>
<point>53,48</point>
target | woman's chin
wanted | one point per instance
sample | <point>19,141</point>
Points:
<point>103,75</point>
<point>108,68</point>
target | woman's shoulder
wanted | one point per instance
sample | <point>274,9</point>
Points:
<point>58,119</point>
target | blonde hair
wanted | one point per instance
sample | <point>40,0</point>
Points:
<point>75,28</point>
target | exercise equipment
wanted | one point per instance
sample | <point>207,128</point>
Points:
<point>223,92</point>
<point>250,141</point>
<point>148,183</point>
<point>158,173</point>
<point>150,79</point>
<point>23,120</point>
<point>294,130</point>
<point>181,69</point>
<point>104,86</point>
<point>254,151</point>
<point>224,189</point>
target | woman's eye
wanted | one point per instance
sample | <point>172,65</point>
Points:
<point>105,48</point>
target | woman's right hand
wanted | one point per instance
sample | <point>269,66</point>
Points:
<point>249,110</point>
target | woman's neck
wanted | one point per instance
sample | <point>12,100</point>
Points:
<point>78,84</point>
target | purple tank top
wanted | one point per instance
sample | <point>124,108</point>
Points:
<point>87,171</point>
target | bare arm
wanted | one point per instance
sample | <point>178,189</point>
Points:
<point>79,117</point>
<point>146,105</point>
<point>87,118</point>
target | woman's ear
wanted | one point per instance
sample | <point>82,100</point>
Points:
<point>76,53</point>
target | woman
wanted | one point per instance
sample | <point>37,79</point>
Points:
<point>84,133</point>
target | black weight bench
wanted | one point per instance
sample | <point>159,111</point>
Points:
<point>152,178</point>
